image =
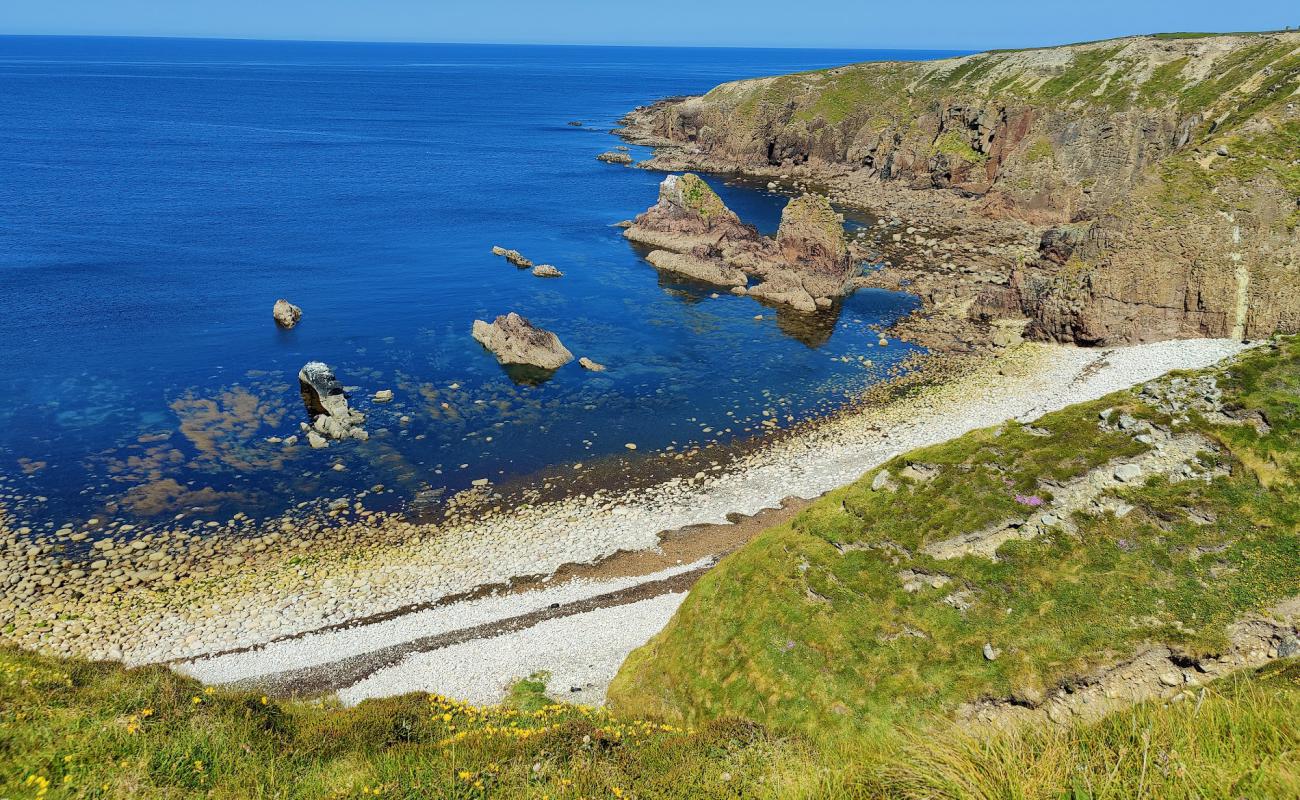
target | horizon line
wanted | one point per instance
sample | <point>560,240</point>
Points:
<point>188,37</point>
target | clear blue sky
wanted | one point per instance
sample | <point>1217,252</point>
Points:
<point>946,24</point>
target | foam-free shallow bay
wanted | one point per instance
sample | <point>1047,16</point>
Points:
<point>160,195</point>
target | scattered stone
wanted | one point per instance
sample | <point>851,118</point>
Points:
<point>286,314</point>
<point>1128,472</point>
<point>991,653</point>
<point>384,396</point>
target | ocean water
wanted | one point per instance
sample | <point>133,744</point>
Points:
<point>159,195</point>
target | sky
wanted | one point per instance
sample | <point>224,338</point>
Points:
<point>934,24</point>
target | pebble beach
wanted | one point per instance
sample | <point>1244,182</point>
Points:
<point>333,583</point>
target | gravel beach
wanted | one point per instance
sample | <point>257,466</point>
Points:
<point>276,591</point>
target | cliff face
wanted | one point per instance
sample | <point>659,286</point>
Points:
<point>1163,174</point>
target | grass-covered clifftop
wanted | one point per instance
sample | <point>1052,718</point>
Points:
<point>71,729</point>
<point>1173,157</point>
<point>1003,569</point>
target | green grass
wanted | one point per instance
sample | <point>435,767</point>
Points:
<point>809,628</point>
<point>952,143</point>
<point>73,729</point>
<point>1238,739</point>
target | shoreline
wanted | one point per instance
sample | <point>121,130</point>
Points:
<point>328,588</point>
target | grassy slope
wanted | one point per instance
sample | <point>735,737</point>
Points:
<point>72,729</point>
<point>794,633</point>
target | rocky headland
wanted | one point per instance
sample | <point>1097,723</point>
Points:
<point>1120,191</point>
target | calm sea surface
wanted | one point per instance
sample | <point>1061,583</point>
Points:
<point>159,195</point>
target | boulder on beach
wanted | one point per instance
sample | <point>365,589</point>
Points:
<point>327,404</point>
<point>614,157</point>
<point>547,271</point>
<point>513,256</point>
<point>286,314</point>
<point>515,340</point>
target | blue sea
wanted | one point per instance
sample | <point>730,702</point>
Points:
<point>160,195</point>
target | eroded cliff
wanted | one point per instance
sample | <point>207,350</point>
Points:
<point>1159,176</point>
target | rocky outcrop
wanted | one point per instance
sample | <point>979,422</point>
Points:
<point>515,340</point>
<point>1157,173</point>
<point>547,271</point>
<point>697,236</point>
<point>286,314</point>
<point>703,269</point>
<point>513,256</point>
<point>327,406</point>
<point>615,157</point>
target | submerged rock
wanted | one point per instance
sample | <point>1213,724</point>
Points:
<point>513,256</point>
<point>327,404</point>
<point>286,314</point>
<point>515,340</point>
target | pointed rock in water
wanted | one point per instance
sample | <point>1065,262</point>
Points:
<point>812,244</point>
<point>286,314</point>
<point>515,340</point>
<point>327,403</point>
<point>547,271</point>
<point>695,234</point>
<point>688,214</point>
